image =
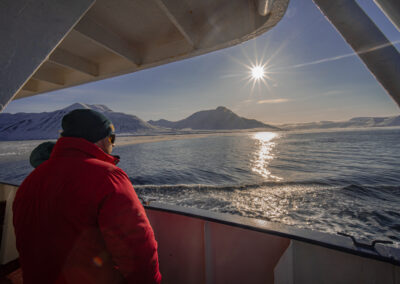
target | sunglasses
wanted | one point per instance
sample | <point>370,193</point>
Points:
<point>112,138</point>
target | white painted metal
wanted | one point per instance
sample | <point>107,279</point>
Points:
<point>29,31</point>
<point>306,263</point>
<point>108,39</point>
<point>193,250</point>
<point>391,8</point>
<point>208,252</point>
<point>180,15</point>
<point>8,251</point>
<point>116,37</point>
<point>371,45</point>
<point>265,7</point>
<point>74,62</point>
<point>50,77</point>
<point>31,86</point>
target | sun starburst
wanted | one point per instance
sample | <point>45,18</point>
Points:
<point>258,68</point>
<point>257,72</point>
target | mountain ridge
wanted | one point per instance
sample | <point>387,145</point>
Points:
<point>47,125</point>
<point>355,122</point>
<point>220,118</point>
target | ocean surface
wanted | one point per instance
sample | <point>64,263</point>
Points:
<point>331,181</point>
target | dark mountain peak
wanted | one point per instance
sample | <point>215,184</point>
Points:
<point>160,120</point>
<point>99,108</point>
<point>220,118</point>
<point>223,109</point>
<point>76,105</point>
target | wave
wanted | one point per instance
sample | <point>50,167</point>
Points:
<point>364,211</point>
<point>227,187</point>
<point>372,195</point>
<point>9,154</point>
<point>349,188</point>
<point>379,192</point>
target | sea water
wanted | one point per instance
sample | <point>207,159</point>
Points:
<point>332,181</point>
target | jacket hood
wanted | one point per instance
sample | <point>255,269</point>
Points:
<point>41,153</point>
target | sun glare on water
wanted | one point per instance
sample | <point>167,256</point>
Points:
<point>264,155</point>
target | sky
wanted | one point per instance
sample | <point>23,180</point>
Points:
<point>313,75</point>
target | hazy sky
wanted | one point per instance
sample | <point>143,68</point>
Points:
<point>314,75</point>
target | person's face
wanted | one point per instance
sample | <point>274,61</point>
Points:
<point>105,144</point>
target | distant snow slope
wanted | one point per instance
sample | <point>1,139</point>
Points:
<point>352,123</point>
<point>219,119</point>
<point>47,125</point>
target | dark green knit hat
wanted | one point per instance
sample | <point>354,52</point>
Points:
<point>86,123</point>
<point>41,153</point>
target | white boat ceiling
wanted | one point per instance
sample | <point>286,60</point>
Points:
<point>51,45</point>
<point>116,37</point>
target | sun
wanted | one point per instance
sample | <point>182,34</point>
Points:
<point>257,72</point>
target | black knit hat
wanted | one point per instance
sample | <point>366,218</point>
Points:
<point>86,123</point>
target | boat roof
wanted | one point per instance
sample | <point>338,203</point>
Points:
<point>50,45</point>
<point>124,36</point>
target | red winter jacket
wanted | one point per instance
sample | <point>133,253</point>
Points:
<point>78,219</point>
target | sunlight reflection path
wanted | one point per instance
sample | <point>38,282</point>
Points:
<point>264,155</point>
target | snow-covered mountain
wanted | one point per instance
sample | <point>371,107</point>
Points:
<point>352,123</point>
<point>47,125</point>
<point>220,118</point>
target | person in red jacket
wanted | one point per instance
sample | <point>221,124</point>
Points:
<point>77,218</point>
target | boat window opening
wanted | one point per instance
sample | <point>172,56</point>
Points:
<point>289,127</point>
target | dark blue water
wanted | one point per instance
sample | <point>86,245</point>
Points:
<point>336,181</point>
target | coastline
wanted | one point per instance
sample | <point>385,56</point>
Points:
<point>131,140</point>
<point>124,139</point>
